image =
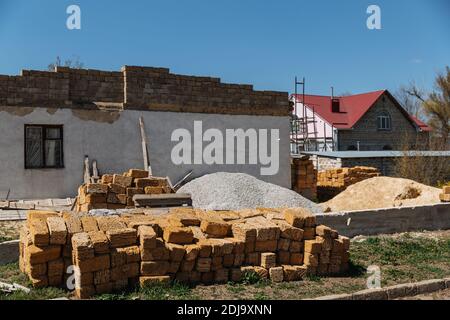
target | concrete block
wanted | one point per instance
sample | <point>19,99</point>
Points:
<point>430,286</point>
<point>370,294</point>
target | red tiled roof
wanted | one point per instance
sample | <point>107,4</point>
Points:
<point>352,108</point>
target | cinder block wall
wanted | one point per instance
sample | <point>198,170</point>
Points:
<point>141,88</point>
<point>100,112</point>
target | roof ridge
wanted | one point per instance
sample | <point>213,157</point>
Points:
<point>352,95</point>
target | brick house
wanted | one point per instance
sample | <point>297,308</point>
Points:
<point>367,122</point>
<point>49,122</point>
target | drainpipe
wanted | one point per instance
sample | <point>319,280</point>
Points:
<point>357,145</point>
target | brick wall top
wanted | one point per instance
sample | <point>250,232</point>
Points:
<point>138,88</point>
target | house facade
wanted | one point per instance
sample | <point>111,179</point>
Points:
<point>366,122</point>
<point>50,121</point>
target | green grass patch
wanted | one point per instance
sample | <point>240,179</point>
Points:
<point>10,273</point>
<point>404,258</point>
<point>5,238</point>
<point>172,291</point>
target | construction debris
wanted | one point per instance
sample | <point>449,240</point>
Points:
<point>383,192</point>
<point>188,245</point>
<point>116,191</point>
<point>236,191</point>
<point>8,288</point>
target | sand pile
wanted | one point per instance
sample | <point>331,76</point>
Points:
<point>383,192</point>
<point>235,191</point>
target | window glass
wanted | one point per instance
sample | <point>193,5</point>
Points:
<point>33,145</point>
<point>43,146</point>
<point>53,133</point>
<point>384,122</point>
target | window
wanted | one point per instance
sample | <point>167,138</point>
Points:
<point>43,146</point>
<point>384,122</point>
<point>387,147</point>
<point>352,148</point>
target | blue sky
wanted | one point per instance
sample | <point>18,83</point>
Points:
<point>265,43</point>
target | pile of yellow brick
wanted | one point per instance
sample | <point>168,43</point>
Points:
<point>116,191</point>
<point>445,195</point>
<point>304,177</point>
<point>189,245</point>
<point>344,177</point>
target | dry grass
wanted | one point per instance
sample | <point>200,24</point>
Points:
<point>9,230</point>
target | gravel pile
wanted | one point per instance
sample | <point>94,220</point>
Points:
<point>234,191</point>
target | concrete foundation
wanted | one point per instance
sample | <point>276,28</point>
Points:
<point>389,220</point>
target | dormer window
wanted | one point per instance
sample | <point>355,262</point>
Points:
<point>384,121</point>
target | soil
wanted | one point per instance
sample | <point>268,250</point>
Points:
<point>383,192</point>
<point>9,230</point>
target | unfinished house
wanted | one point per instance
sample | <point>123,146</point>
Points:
<point>50,121</point>
<point>363,122</point>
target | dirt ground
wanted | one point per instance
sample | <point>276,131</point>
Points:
<point>9,230</point>
<point>383,192</point>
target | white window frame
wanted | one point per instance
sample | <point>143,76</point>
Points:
<point>384,122</point>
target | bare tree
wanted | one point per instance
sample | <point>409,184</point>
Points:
<point>70,63</point>
<point>416,165</point>
<point>411,99</point>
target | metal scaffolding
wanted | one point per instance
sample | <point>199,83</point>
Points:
<point>303,136</point>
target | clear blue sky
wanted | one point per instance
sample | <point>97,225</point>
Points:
<point>265,43</point>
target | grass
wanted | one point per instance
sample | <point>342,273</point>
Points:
<point>401,259</point>
<point>10,273</point>
<point>9,230</point>
<point>3,239</point>
<point>405,258</point>
<point>172,291</point>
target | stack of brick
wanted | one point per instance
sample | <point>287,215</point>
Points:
<point>332,182</point>
<point>304,177</point>
<point>43,246</point>
<point>445,195</point>
<point>188,245</point>
<point>116,191</point>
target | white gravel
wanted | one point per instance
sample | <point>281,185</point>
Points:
<point>234,191</point>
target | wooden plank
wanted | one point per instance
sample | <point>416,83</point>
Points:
<point>144,147</point>
<point>162,200</point>
<point>182,181</point>
<point>86,173</point>
<point>95,176</point>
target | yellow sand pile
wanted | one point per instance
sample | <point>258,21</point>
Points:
<point>382,192</point>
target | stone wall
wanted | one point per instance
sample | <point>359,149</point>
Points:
<point>402,133</point>
<point>322,163</point>
<point>157,89</point>
<point>386,166</point>
<point>141,88</point>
